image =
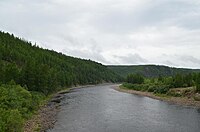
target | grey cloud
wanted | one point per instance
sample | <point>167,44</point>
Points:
<point>87,50</point>
<point>153,13</point>
<point>178,60</point>
<point>131,59</point>
<point>86,54</point>
<point>168,62</point>
<point>190,59</point>
<point>110,31</point>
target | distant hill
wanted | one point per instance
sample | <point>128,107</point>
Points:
<point>46,70</point>
<point>149,70</point>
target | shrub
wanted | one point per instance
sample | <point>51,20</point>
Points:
<point>144,87</point>
<point>16,105</point>
<point>14,121</point>
<point>156,88</point>
<point>162,89</point>
<point>151,88</point>
<point>132,86</point>
<point>135,79</point>
<point>10,121</point>
<point>198,88</point>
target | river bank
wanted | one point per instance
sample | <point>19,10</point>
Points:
<point>185,101</point>
<point>45,118</point>
<point>103,109</point>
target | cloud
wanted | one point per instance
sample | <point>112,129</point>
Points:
<point>110,32</point>
<point>190,59</point>
<point>177,60</point>
<point>86,54</point>
<point>131,59</point>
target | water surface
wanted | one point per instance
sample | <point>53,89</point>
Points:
<point>103,109</point>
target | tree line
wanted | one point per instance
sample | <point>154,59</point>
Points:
<point>29,73</point>
<point>150,71</point>
<point>163,84</point>
<point>46,70</point>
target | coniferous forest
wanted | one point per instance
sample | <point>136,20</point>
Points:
<point>29,73</point>
<point>45,70</point>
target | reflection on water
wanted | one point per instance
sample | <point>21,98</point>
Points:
<point>102,109</point>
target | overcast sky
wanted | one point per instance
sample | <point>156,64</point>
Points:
<point>134,32</point>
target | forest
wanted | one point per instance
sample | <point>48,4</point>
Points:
<point>189,83</point>
<point>29,74</point>
<point>150,71</point>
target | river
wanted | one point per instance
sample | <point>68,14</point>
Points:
<point>103,109</point>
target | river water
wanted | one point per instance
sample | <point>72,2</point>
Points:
<point>103,109</point>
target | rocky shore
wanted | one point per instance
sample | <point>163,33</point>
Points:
<point>185,101</point>
<point>46,116</point>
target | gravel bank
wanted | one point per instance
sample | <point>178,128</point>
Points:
<point>46,117</point>
<point>185,101</point>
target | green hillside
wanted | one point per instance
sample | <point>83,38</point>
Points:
<point>29,74</point>
<point>45,70</point>
<point>150,70</point>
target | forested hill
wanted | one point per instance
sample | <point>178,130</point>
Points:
<point>150,70</point>
<point>46,70</point>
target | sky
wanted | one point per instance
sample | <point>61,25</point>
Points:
<point>112,32</point>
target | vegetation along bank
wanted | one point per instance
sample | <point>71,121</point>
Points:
<point>183,89</point>
<point>29,75</point>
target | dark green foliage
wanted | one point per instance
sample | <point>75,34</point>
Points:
<point>12,121</point>
<point>135,79</point>
<point>44,70</point>
<point>168,81</point>
<point>133,86</point>
<point>16,105</point>
<point>150,71</point>
<point>198,82</point>
<point>156,88</point>
<point>29,73</point>
<point>160,78</point>
<point>161,89</point>
<point>178,81</point>
<point>162,85</point>
<point>188,80</point>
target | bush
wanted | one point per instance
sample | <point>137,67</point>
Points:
<point>161,89</point>
<point>14,121</point>
<point>151,88</point>
<point>132,86</point>
<point>156,88</point>
<point>16,105</point>
<point>197,83</point>
<point>37,98</point>
<point>144,87</point>
<point>11,121</point>
<point>2,120</point>
<point>198,87</point>
<point>135,79</point>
